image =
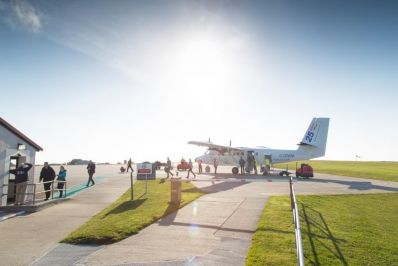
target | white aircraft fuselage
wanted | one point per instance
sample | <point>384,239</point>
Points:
<point>313,145</point>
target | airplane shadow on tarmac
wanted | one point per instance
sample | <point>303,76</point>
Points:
<point>247,176</point>
<point>222,186</point>
<point>357,185</point>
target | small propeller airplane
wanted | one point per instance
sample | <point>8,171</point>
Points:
<point>313,145</point>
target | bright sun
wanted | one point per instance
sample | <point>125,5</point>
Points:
<point>201,62</point>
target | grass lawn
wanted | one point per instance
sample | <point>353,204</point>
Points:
<point>374,170</point>
<point>124,217</point>
<point>336,230</point>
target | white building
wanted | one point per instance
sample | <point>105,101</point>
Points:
<point>15,148</point>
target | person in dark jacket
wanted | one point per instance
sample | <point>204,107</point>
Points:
<point>130,165</point>
<point>47,175</point>
<point>21,180</point>
<point>91,171</point>
<point>242,165</point>
<point>215,163</point>
<point>61,178</point>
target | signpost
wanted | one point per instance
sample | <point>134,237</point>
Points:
<point>131,185</point>
<point>144,169</point>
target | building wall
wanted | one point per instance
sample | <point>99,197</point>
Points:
<point>8,147</point>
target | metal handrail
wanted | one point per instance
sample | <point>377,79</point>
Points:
<point>40,192</point>
<point>296,221</point>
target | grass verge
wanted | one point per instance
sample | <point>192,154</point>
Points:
<point>336,230</point>
<point>374,170</point>
<point>124,217</point>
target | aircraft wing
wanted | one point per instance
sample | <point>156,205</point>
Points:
<point>211,146</point>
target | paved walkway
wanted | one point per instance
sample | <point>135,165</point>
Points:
<point>214,230</point>
<point>26,238</point>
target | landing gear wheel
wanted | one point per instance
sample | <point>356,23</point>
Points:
<point>207,169</point>
<point>235,170</point>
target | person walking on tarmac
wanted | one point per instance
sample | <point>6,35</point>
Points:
<point>168,168</point>
<point>190,169</point>
<point>129,166</point>
<point>91,171</point>
<point>21,179</point>
<point>215,164</point>
<point>47,175</point>
<point>242,165</point>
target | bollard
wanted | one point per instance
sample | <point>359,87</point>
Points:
<point>175,185</point>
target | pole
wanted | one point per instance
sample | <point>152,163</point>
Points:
<point>52,190</point>
<point>291,193</point>
<point>131,185</point>
<point>34,194</point>
<point>146,183</point>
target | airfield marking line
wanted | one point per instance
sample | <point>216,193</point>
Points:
<point>44,255</point>
<point>73,191</point>
<point>237,207</point>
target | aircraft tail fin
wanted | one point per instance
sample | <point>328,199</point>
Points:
<point>316,135</point>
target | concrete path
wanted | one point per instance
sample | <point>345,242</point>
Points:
<point>213,230</point>
<point>26,238</point>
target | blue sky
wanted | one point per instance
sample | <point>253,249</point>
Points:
<point>107,80</point>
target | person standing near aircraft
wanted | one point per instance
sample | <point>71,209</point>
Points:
<point>249,162</point>
<point>129,166</point>
<point>242,165</point>
<point>168,170</point>
<point>200,166</point>
<point>254,165</point>
<point>215,163</point>
<point>91,171</point>
<point>190,169</point>
<point>267,165</point>
<point>47,174</point>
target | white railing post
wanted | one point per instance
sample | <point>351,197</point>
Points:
<point>34,193</point>
<point>296,221</point>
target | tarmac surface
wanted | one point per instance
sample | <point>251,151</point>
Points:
<point>216,229</point>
